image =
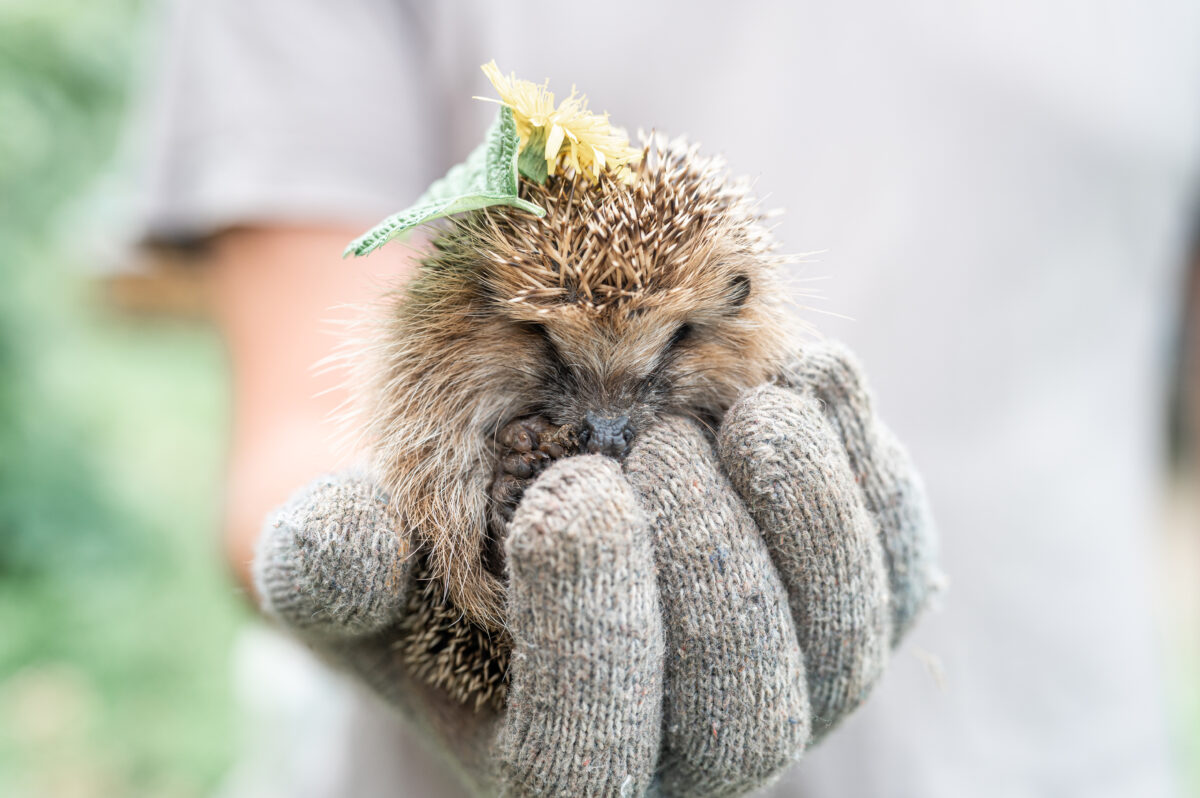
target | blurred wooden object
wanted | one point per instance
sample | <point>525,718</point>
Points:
<point>162,281</point>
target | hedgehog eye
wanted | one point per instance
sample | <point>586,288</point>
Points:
<point>681,334</point>
<point>739,290</point>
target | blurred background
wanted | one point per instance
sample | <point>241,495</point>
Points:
<point>118,611</point>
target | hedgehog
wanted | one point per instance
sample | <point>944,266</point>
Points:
<point>520,340</point>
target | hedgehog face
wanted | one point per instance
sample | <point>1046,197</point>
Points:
<point>628,301</point>
<point>610,373</point>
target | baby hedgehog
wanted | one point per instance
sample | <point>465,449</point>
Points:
<point>521,340</point>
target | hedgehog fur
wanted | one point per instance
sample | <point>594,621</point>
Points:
<point>657,294</point>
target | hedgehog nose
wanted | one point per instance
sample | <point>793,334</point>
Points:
<point>606,433</point>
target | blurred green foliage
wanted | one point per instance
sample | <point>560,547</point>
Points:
<point>115,614</point>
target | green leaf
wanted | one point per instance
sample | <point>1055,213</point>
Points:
<point>488,177</point>
<point>531,163</point>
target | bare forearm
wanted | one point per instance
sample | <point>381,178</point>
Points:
<point>277,293</point>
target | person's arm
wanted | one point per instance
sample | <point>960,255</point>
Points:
<point>276,294</point>
<point>276,132</point>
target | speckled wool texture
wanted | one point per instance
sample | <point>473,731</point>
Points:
<point>727,622</point>
<point>788,467</point>
<point>686,624</point>
<point>891,486</point>
<point>585,710</point>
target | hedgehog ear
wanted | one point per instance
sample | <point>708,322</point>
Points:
<point>739,291</point>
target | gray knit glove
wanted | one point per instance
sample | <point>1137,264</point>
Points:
<point>684,624</point>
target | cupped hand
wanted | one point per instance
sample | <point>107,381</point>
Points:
<point>687,622</point>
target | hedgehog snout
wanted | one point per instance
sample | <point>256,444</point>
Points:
<point>607,433</point>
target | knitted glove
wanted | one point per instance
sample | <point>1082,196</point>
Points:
<point>686,623</point>
<point>583,712</point>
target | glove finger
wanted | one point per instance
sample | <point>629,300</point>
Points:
<point>891,488</point>
<point>585,701</point>
<point>789,466</point>
<point>329,562</point>
<point>735,704</point>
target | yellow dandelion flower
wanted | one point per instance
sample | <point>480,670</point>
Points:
<point>575,138</point>
<point>532,104</point>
